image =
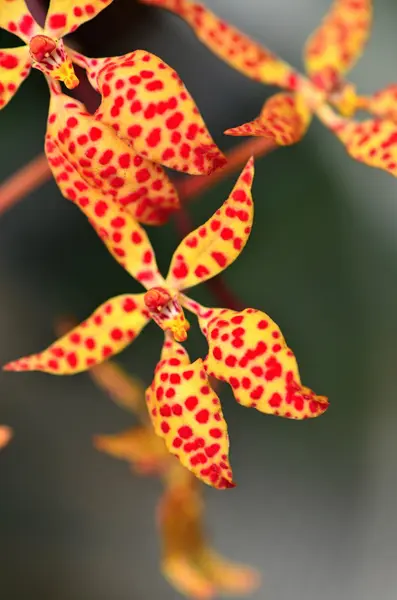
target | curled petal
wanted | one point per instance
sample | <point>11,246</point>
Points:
<point>112,327</point>
<point>339,41</point>
<point>284,119</point>
<point>139,446</point>
<point>14,68</point>
<point>212,247</point>
<point>150,106</point>
<point>65,16</point>
<point>16,18</point>
<point>230,44</point>
<point>373,142</point>
<point>187,414</point>
<point>383,103</point>
<point>107,163</point>
<point>125,239</point>
<point>247,350</point>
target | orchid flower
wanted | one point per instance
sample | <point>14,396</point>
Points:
<point>188,561</point>
<point>329,54</point>
<point>147,117</point>
<point>246,349</point>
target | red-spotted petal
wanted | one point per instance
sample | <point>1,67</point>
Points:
<point>123,236</point>
<point>187,414</point>
<point>16,18</point>
<point>230,44</point>
<point>15,66</point>
<point>383,103</point>
<point>112,327</point>
<point>106,162</point>
<point>247,349</point>
<point>339,41</point>
<point>150,106</point>
<point>284,119</point>
<point>65,16</point>
<point>212,247</point>
<point>373,142</point>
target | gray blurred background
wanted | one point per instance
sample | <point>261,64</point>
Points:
<point>314,509</point>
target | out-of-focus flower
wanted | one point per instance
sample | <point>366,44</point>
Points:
<point>246,349</point>
<point>147,117</point>
<point>188,561</point>
<point>329,54</point>
<point>6,434</point>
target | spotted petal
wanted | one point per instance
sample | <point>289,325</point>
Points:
<point>339,41</point>
<point>147,103</point>
<point>215,245</point>
<point>284,119</point>
<point>112,327</point>
<point>65,16</point>
<point>187,414</point>
<point>139,446</point>
<point>126,240</point>
<point>373,142</point>
<point>230,44</point>
<point>247,350</point>
<point>15,66</point>
<point>106,162</point>
<point>16,18</point>
<point>383,103</point>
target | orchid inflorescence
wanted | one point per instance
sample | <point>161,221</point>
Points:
<point>111,164</point>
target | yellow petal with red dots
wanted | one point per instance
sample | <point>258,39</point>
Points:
<point>139,446</point>
<point>339,41</point>
<point>148,104</point>
<point>383,103</point>
<point>106,162</point>
<point>187,414</point>
<point>15,66</point>
<point>284,119</point>
<point>65,16</point>
<point>247,349</point>
<point>112,327</point>
<point>211,248</point>
<point>125,239</point>
<point>230,44</point>
<point>372,142</point>
<point>16,18</point>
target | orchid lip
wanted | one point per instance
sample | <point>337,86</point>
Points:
<point>166,311</point>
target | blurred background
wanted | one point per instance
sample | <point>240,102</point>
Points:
<point>314,509</point>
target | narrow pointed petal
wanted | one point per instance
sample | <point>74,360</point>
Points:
<point>228,576</point>
<point>383,103</point>
<point>339,41</point>
<point>107,163</point>
<point>148,105</point>
<point>124,389</point>
<point>139,446</point>
<point>373,142</point>
<point>125,239</point>
<point>230,44</point>
<point>16,18</point>
<point>215,245</point>
<point>284,119</point>
<point>247,350</point>
<point>15,66</point>
<point>187,414</point>
<point>65,16</point>
<point>112,327</point>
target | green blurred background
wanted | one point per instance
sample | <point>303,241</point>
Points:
<point>315,504</point>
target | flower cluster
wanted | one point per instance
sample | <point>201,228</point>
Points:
<point>328,55</point>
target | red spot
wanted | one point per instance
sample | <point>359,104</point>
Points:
<point>153,139</point>
<point>124,161</point>
<point>134,131</point>
<point>180,271</point>
<point>116,334</point>
<point>237,319</point>
<point>191,402</point>
<point>220,258</point>
<point>177,410</point>
<point>57,21</point>
<point>202,416</point>
<point>106,157</point>
<point>152,86</point>
<point>175,378</point>
<point>95,134</point>
<point>136,237</point>
<point>187,375</point>
<point>263,324</point>
<point>275,401</point>
<point>142,175</point>
<point>185,432</point>
<point>212,450</point>
<point>217,353</point>
<point>100,208</point>
<point>8,61</point>
<point>26,24</point>
<point>201,271</point>
<point>174,121</point>
<point>164,427</point>
<point>72,359</point>
<point>215,433</point>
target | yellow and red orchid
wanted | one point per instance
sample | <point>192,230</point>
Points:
<point>147,117</point>
<point>246,349</point>
<point>329,54</point>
